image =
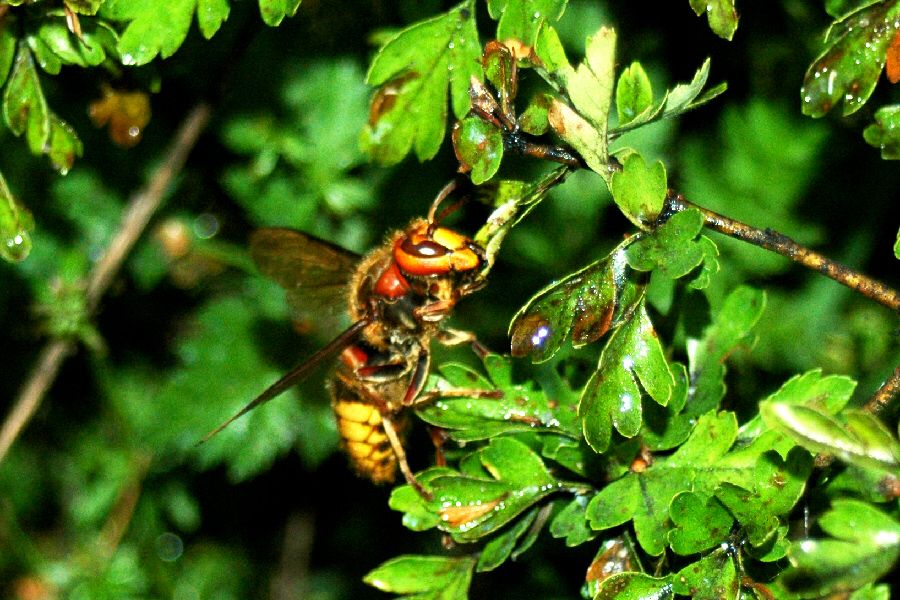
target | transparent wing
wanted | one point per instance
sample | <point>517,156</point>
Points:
<point>314,272</point>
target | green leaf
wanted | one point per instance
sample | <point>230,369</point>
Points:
<point>54,45</point>
<point>24,106</point>
<point>714,576</point>
<point>571,523</point>
<point>590,88</point>
<point>211,14</point>
<point>501,546</point>
<point>706,356</point>
<point>700,523</point>
<point>509,480</point>
<point>897,246</point>
<point>428,577</point>
<point>274,11</point>
<point>634,93</point>
<point>849,67</point>
<point>864,442</point>
<point>521,409</point>
<point>153,32</point>
<point>721,14</point>
<point>63,146</point>
<point>479,148</point>
<point>679,100</point>
<point>15,223</point>
<point>884,133</point>
<point>670,248</point>
<point>7,51</point>
<point>666,427</point>
<point>84,7</point>
<point>581,307</point>
<point>611,397</point>
<point>414,70</point>
<point>635,586</point>
<point>867,547</point>
<point>520,19</point>
<point>640,191</point>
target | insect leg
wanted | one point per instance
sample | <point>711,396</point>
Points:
<point>397,445</point>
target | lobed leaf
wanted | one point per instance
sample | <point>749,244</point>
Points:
<point>274,11</point>
<point>54,45</point>
<point>24,106</point>
<point>501,546</point>
<point>671,248</point>
<point>713,576</point>
<point>414,70</point>
<point>721,14</point>
<point>854,56</point>
<point>884,133</point>
<point>521,19</point>
<point>611,397</point>
<point>706,356</point>
<point>635,586</point>
<point>571,523</point>
<point>639,191</point>
<point>700,523</point>
<point>581,308</point>
<point>211,14</point>
<point>479,148</point>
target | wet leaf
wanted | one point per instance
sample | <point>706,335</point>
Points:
<point>510,479</point>
<point>64,145</point>
<point>54,45</point>
<point>721,14</point>
<point>671,248</point>
<point>127,112</point>
<point>151,32</point>
<point>864,441</point>
<point>884,133</point>
<point>700,523</point>
<point>211,14</point>
<point>15,224</point>
<point>634,94</point>
<point>571,523</point>
<point>580,308</point>
<point>867,546</point>
<point>501,546</point>
<point>427,577</point>
<point>615,556</point>
<point>714,577</point>
<point>534,119</point>
<point>774,489</point>
<point>24,106</point>
<point>522,407</point>
<point>645,497</point>
<point>635,586</point>
<point>706,356</point>
<point>640,192</point>
<point>479,148</point>
<point>413,71</point>
<point>274,11</point>
<point>520,19</point>
<point>666,427</point>
<point>611,397</point>
<point>849,67</point>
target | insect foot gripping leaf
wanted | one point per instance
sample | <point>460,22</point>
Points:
<point>413,71</point>
<point>495,485</point>
<point>855,53</point>
<point>581,308</point>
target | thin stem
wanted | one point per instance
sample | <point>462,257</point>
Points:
<point>785,246</point>
<point>883,396</point>
<point>140,209</point>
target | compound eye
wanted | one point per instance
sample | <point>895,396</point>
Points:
<point>423,249</point>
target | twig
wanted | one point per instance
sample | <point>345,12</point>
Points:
<point>785,246</point>
<point>883,396</point>
<point>141,207</point>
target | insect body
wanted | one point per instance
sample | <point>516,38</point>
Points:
<point>397,297</point>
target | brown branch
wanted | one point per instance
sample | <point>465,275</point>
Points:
<point>140,209</point>
<point>785,246</point>
<point>883,396</point>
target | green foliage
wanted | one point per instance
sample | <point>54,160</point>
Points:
<point>660,424</point>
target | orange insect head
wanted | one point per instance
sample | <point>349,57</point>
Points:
<point>427,250</point>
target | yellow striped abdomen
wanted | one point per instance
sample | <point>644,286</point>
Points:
<point>362,433</point>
